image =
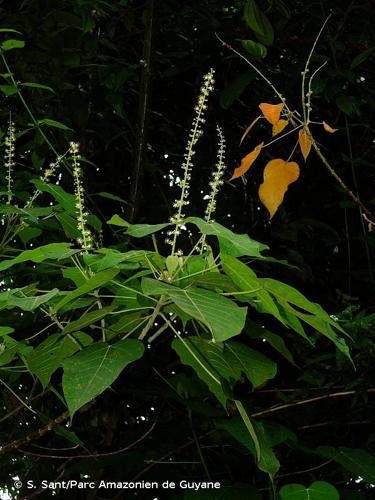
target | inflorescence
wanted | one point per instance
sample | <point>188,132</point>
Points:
<point>10,140</point>
<point>196,132</point>
<point>217,177</point>
<point>86,239</point>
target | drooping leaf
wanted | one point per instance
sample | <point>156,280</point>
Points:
<point>88,319</point>
<point>271,112</point>
<point>258,22</point>
<point>329,129</point>
<point>48,356</point>
<point>55,251</point>
<point>10,299</point>
<point>255,49</point>
<point>66,200</point>
<point>230,243</point>
<point>319,490</point>
<point>137,230</point>
<point>190,355</point>
<point>257,367</point>
<point>53,123</point>
<point>40,86</point>
<point>98,280</point>
<point>279,126</point>
<point>8,90</point>
<point>277,176</point>
<point>247,281</point>
<point>247,161</point>
<point>305,142</point>
<point>234,89</point>
<point>236,428</point>
<point>224,318</point>
<point>249,128</point>
<point>12,44</point>
<point>95,368</point>
<point>360,58</point>
<point>355,460</point>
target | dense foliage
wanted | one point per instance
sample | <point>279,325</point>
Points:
<point>146,333</point>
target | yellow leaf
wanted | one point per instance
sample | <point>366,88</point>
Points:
<point>305,142</point>
<point>249,128</point>
<point>246,162</point>
<point>277,176</point>
<point>271,112</point>
<point>329,129</point>
<point>279,127</point>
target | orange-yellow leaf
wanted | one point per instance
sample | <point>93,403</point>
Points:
<point>249,128</point>
<point>277,176</point>
<point>246,162</point>
<point>279,127</point>
<point>329,129</point>
<point>305,142</point>
<point>271,112</point>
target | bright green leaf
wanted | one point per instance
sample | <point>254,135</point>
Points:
<point>319,490</point>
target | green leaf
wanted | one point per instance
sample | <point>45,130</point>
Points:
<point>88,319</point>
<point>12,44</point>
<point>257,50</point>
<point>355,460</point>
<point>230,243</point>
<point>53,123</point>
<point>137,230</point>
<point>222,316</point>
<point>257,367</point>
<point>8,299</point>
<point>360,58</point>
<point>8,90</point>
<point>66,200</point>
<point>319,490</point>
<point>5,330</point>
<point>29,233</point>
<point>111,196</point>
<point>40,86</point>
<point>10,30</point>
<point>277,342</point>
<point>48,356</point>
<point>98,280</point>
<point>55,251</point>
<point>258,22</point>
<point>188,351</point>
<point>246,280</point>
<point>116,220</point>
<point>238,430</point>
<point>69,225</point>
<point>233,90</point>
<point>93,370</point>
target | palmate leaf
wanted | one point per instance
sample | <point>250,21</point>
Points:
<point>94,369</point>
<point>222,316</point>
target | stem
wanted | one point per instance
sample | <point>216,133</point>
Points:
<point>348,191</point>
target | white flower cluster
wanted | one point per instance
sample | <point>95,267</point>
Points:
<point>10,140</point>
<point>217,177</point>
<point>86,239</point>
<point>195,133</point>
